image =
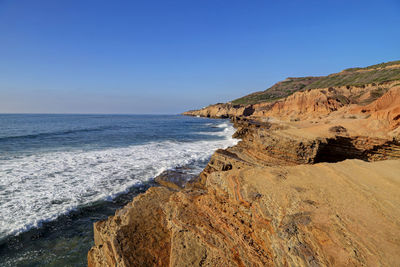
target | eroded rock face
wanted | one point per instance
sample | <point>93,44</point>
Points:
<point>386,108</point>
<point>136,236</point>
<point>310,104</point>
<point>221,111</point>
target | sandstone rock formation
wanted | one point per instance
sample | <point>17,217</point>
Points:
<point>304,105</point>
<point>314,181</point>
<point>386,108</point>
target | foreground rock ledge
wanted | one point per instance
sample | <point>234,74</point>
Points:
<point>342,214</point>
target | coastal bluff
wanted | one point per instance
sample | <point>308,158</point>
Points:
<point>313,181</point>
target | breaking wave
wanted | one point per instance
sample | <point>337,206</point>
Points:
<point>41,187</point>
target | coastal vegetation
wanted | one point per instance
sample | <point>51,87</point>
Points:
<point>374,74</point>
<point>277,91</point>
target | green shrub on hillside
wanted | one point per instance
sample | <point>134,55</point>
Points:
<point>277,91</point>
<point>375,74</point>
<point>357,78</point>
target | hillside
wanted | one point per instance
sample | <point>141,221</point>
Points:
<point>374,74</point>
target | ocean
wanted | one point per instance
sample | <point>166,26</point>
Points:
<point>61,173</point>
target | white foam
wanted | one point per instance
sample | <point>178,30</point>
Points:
<point>219,133</point>
<point>223,125</point>
<point>41,187</point>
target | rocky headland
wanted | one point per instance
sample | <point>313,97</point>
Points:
<point>314,181</point>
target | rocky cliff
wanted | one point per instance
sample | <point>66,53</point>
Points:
<point>314,181</point>
<point>302,105</point>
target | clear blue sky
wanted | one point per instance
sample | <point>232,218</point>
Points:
<point>77,56</point>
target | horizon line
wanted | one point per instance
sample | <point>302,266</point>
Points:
<point>72,113</point>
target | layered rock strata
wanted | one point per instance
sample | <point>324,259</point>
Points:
<point>310,104</point>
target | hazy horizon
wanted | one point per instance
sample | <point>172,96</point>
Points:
<point>158,57</point>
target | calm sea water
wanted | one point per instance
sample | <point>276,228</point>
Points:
<point>60,173</point>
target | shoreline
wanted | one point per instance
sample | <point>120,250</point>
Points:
<point>280,196</point>
<point>72,231</point>
<point>67,239</point>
